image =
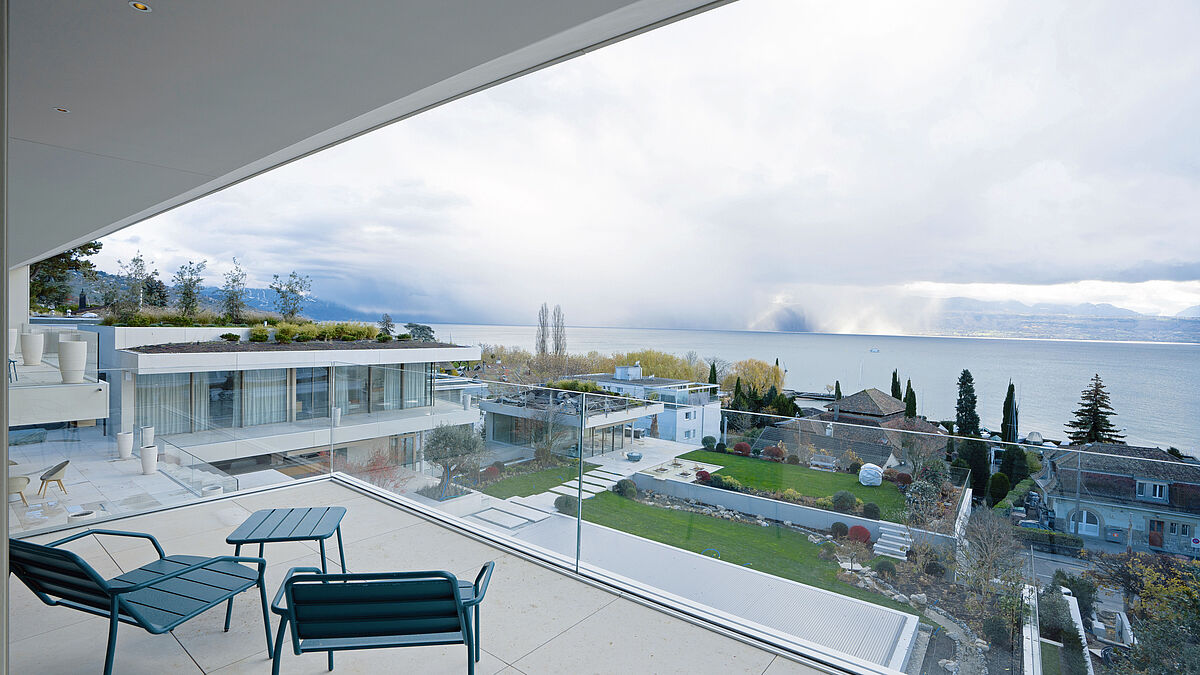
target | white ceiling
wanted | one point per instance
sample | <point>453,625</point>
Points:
<point>171,105</point>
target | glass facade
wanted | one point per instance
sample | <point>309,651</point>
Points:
<point>312,393</point>
<point>163,402</point>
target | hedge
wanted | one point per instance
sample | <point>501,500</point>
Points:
<point>1057,540</point>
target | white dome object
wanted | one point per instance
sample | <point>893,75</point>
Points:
<point>870,475</point>
<point>1034,438</point>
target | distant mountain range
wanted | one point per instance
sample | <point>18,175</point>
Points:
<point>1040,309</point>
<point>1192,312</point>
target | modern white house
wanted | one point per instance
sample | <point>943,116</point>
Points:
<point>243,405</point>
<point>692,410</point>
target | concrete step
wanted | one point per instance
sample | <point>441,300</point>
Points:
<point>587,487</point>
<point>890,551</point>
<point>520,510</point>
<point>605,473</point>
<point>893,539</point>
<point>598,482</point>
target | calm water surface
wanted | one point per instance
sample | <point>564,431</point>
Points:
<point>1153,386</point>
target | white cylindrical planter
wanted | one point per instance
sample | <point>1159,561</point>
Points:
<point>32,345</point>
<point>147,435</point>
<point>149,459</point>
<point>125,444</point>
<point>72,357</point>
<point>211,490</point>
<point>14,342</point>
<point>337,416</point>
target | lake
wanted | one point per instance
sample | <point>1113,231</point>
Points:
<point>1153,385</point>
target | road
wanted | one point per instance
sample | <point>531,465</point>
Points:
<point>1043,565</point>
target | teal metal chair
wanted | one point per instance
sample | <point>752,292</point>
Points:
<point>472,595</point>
<point>336,612</point>
<point>156,597</point>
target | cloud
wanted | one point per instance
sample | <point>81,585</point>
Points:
<point>809,162</point>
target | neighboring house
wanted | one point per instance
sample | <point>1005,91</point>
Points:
<point>692,410</point>
<point>1125,494</point>
<point>870,423</point>
<point>242,406</point>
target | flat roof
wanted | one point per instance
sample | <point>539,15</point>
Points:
<point>215,347</point>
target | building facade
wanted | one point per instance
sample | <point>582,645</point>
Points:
<point>691,410</point>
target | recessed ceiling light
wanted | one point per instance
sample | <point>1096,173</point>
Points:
<point>62,110</point>
<point>141,7</point>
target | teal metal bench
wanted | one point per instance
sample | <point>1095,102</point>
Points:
<point>156,597</point>
<point>336,612</point>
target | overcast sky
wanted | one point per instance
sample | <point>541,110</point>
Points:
<point>769,164</point>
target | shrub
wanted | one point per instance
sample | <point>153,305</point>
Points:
<point>1054,616</point>
<point>1060,540</point>
<point>793,459</point>
<point>230,337</point>
<point>890,475</point>
<point>935,472</point>
<point>1032,461</point>
<point>567,504</point>
<point>1073,656</point>
<point>825,503</point>
<point>404,337</point>
<point>725,482</point>
<point>827,550</point>
<point>903,479</point>
<point>884,567</point>
<point>721,447</point>
<point>997,630</point>
<point>790,495</point>
<point>626,488</point>
<point>839,529</point>
<point>1003,506</point>
<point>860,534</point>
<point>703,477</point>
<point>491,473</point>
<point>756,452</point>
<point>709,442</point>
<point>742,449</point>
<point>259,334</point>
<point>844,500</point>
<point>383,337</point>
<point>774,453</point>
<point>998,486</point>
<point>307,333</point>
<point>871,510</point>
<point>286,332</point>
<point>935,568</point>
<point>1083,588</point>
<point>854,467</point>
<point>961,463</point>
<point>499,466</point>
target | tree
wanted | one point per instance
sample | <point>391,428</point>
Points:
<point>187,280</point>
<point>155,292</point>
<point>1166,617</point>
<point>385,324</point>
<point>456,449</point>
<point>837,390</point>
<point>755,374</point>
<point>233,294</point>
<point>896,386</point>
<point>131,294</point>
<point>712,374</point>
<point>966,419</point>
<point>1008,427</point>
<point>976,454</point>
<point>290,293</point>
<point>48,279</point>
<point>1013,464</point>
<point>559,336</point>
<point>998,487</point>
<point>910,401</point>
<point>542,340</point>
<point>988,554</point>
<point>419,332</point>
<point>1093,423</point>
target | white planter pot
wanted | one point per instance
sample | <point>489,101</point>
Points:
<point>147,435</point>
<point>14,342</point>
<point>149,459</point>
<point>32,345</point>
<point>72,357</point>
<point>211,490</point>
<point>337,417</point>
<point>125,444</point>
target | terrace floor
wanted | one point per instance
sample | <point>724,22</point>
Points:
<point>535,619</point>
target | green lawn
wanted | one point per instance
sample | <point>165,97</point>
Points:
<point>1051,659</point>
<point>774,550</point>
<point>536,482</point>
<point>766,475</point>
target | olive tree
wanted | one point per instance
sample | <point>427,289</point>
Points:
<point>455,448</point>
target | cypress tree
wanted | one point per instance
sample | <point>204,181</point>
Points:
<point>998,487</point>
<point>737,391</point>
<point>896,386</point>
<point>910,401</point>
<point>1093,421</point>
<point>837,390</point>
<point>1008,427</point>
<point>966,419</point>
<point>712,373</point>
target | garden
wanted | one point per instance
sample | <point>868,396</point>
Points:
<point>527,478</point>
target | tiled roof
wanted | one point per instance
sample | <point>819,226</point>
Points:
<point>868,402</point>
<point>1124,460</point>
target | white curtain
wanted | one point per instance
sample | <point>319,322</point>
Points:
<point>392,379</point>
<point>200,401</point>
<point>264,396</point>
<point>162,402</point>
<point>416,385</point>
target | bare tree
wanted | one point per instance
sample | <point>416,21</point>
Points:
<point>560,332</point>
<point>557,431</point>
<point>542,339</point>
<point>989,553</point>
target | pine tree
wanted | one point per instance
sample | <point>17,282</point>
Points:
<point>837,390</point>
<point>1092,423</point>
<point>1008,427</point>
<point>966,419</point>
<point>910,401</point>
<point>896,386</point>
<point>712,373</point>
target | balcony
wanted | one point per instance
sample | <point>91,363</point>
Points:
<point>538,617</point>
